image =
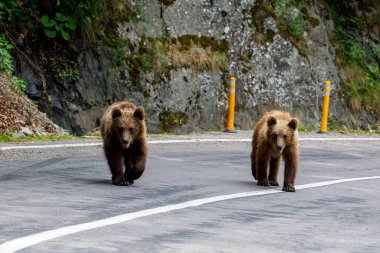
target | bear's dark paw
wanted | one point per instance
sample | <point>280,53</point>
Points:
<point>131,182</point>
<point>288,188</point>
<point>120,182</point>
<point>273,183</point>
<point>263,183</point>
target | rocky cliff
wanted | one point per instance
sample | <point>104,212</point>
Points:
<point>175,57</point>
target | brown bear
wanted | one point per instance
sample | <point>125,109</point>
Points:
<point>275,136</point>
<point>123,131</point>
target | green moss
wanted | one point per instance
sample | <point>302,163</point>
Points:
<point>296,26</point>
<point>244,70</point>
<point>187,40</point>
<point>67,72</point>
<point>146,94</point>
<point>281,11</point>
<point>313,21</point>
<point>170,120</point>
<point>167,2</point>
<point>269,35</point>
<point>152,55</point>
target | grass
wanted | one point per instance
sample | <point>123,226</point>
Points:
<point>353,131</point>
<point>306,128</point>
<point>333,128</point>
<point>197,58</point>
<point>53,137</point>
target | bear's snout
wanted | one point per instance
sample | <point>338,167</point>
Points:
<point>279,148</point>
<point>125,143</point>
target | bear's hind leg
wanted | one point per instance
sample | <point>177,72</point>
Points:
<point>253,155</point>
<point>253,168</point>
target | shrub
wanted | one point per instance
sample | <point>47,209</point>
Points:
<point>6,64</point>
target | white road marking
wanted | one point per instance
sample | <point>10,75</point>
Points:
<point>27,241</point>
<point>171,159</point>
<point>52,146</point>
<point>339,139</point>
<point>92,144</point>
<point>325,164</point>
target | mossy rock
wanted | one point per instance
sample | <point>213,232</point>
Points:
<point>167,2</point>
<point>171,120</point>
<point>216,45</point>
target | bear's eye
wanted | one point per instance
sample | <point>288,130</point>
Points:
<point>121,130</point>
<point>274,136</point>
<point>130,130</point>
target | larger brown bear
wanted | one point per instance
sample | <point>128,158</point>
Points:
<point>275,136</point>
<point>123,131</point>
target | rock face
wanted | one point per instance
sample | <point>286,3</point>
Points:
<point>271,73</point>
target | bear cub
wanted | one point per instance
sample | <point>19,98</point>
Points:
<point>275,136</point>
<point>125,146</point>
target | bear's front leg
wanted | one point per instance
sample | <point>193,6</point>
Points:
<point>273,171</point>
<point>262,171</point>
<point>115,162</point>
<point>291,166</point>
<point>135,162</point>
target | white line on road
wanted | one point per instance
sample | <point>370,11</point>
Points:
<point>172,159</point>
<point>52,146</point>
<point>92,144</point>
<point>27,241</point>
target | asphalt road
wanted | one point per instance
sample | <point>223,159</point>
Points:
<point>56,190</point>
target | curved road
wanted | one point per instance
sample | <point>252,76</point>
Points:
<point>196,195</point>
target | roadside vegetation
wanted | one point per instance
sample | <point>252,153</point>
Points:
<point>63,29</point>
<point>6,64</point>
<point>358,56</point>
<point>52,137</point>
<point>355,39</point>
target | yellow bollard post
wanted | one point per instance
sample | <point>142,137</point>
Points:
<point>325,108</point>
<point>231,106</point>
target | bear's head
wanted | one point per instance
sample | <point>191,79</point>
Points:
<point>281,133</point>
<point>128,126</point>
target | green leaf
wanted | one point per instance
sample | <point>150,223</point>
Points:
<point>61,17</point>
<point>65,35</point>
<point>50,33</point>
<point>47,22</point>
<point>59,27</point>
<point>71,24</point>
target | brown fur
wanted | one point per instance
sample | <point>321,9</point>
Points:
<point>123,131</point>
<point>275,136</point>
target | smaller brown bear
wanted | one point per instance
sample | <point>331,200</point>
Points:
<point>275,136</point>
<point>123,131</point>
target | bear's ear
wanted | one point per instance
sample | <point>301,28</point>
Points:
<point>271,121</point>
<point>293,123</point>
<point>139,113</point>
<point>116,113</point>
